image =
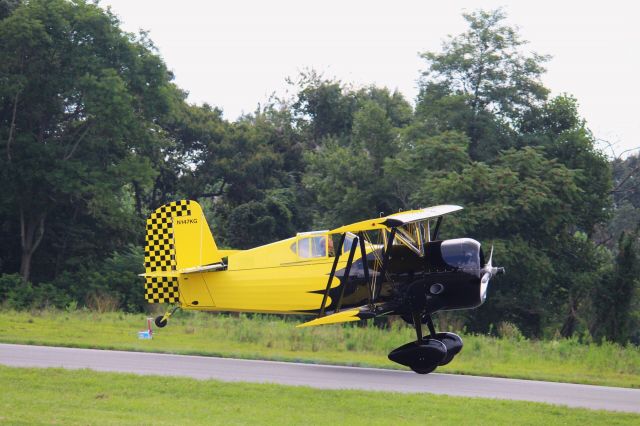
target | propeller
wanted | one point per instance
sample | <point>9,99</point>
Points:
<point>488,272</point>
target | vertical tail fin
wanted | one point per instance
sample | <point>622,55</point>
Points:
<point>178,237</point>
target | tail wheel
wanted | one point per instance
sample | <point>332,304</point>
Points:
<point>160,321</point>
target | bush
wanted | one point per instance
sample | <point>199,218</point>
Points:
<point>508,330</point>
<point>110,284</point>
<point>102,302</point>
<point>104,286</point>
<point>8,282</point>
<point>19,295</point>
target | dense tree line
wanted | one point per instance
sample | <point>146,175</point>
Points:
<point>95,135</point>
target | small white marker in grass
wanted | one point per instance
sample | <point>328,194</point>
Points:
<point>148,333</point>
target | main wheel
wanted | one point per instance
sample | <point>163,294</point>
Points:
<point>453,343</point>
<point>160,321</point>
<point>422,369</point>
<point>422,357</point>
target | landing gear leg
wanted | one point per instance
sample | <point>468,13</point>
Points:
<point>161,321</point>
<point>452,341</point>
<point>432,329</point>
<point>423,355</point>
<point>418,325</point>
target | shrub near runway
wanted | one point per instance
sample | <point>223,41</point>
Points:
<point>46,396</point>
<point>271,337</point>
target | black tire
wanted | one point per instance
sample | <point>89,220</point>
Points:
<point>447,359</point>
<point>453,343</point>
<point>160,322</point>
<point>423,366</point>
<point>424,370</point>
<point>422,357</point>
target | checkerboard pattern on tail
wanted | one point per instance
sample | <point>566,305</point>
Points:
<point>160,252</point>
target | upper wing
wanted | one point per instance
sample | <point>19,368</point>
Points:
<point>397,219</point>
<point>412,216</point>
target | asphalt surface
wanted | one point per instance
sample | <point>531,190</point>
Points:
<point>321,376</point>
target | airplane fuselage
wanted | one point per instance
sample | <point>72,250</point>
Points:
<point>276,279</point>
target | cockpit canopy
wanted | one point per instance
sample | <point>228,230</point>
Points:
<point>460,254</point>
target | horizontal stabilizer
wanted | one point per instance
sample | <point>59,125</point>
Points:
<point>193,270</point>
<point>205,268</point>
<point>173,274</point>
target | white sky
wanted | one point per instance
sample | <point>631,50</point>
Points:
<point>234,54</point>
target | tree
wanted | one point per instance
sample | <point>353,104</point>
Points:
<point>626,175</point>
<point>345,185</point>
<point>396,107</point>
<point>250,173</point>
<point>488,69</point>
<point>78,103</point>
<point>614,298</point>
<point>7,7</point>
<point>414,171</point>
<point>323,107</point>
<point>558,128</point>
<point>187,167</point>
<point>372,130</point>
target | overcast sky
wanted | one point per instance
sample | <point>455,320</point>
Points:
<point>234,54</point>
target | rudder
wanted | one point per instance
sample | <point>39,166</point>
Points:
<point>177,237</point>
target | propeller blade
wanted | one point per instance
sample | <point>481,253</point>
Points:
<point>484,285</point>
<point>489,270</point>
<point>490,262</point>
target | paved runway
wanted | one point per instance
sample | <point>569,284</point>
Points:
<point>321,376</point>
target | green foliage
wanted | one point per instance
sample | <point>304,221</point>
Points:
<point>344,183</point>
<point>617,293</point>
<point>9,282</point>
<point>94,136</point>
<point>626,197</point>
<point>395,106</point>
<point>256,223</point>
<point>323,107</point>
<point>16,294</point>
<point>486,65</point>
<point>7,7</point>
<point>373,130</point>
<point>80,99</point>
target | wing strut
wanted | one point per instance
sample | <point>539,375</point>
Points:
<point>435,232</point>
<point>385,263</point>
<point>332,274</point>
<point>365,266</point>
<point>347,270</point>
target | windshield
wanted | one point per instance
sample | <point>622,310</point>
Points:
<point>312,247</point>
<point>462,253</point>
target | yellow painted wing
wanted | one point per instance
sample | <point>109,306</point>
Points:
<point>343,316</point>
<point>353,314</point>
<point>397,219</point>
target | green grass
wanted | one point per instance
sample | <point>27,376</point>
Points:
<point>47,396</point>
<point>270,337</point>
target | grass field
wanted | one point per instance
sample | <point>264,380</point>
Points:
<point>56,396</point>
<point>270,337</point>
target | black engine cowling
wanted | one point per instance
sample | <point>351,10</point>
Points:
<point>453,270</point>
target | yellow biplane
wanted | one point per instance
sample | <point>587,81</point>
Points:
<point>393,265</point>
